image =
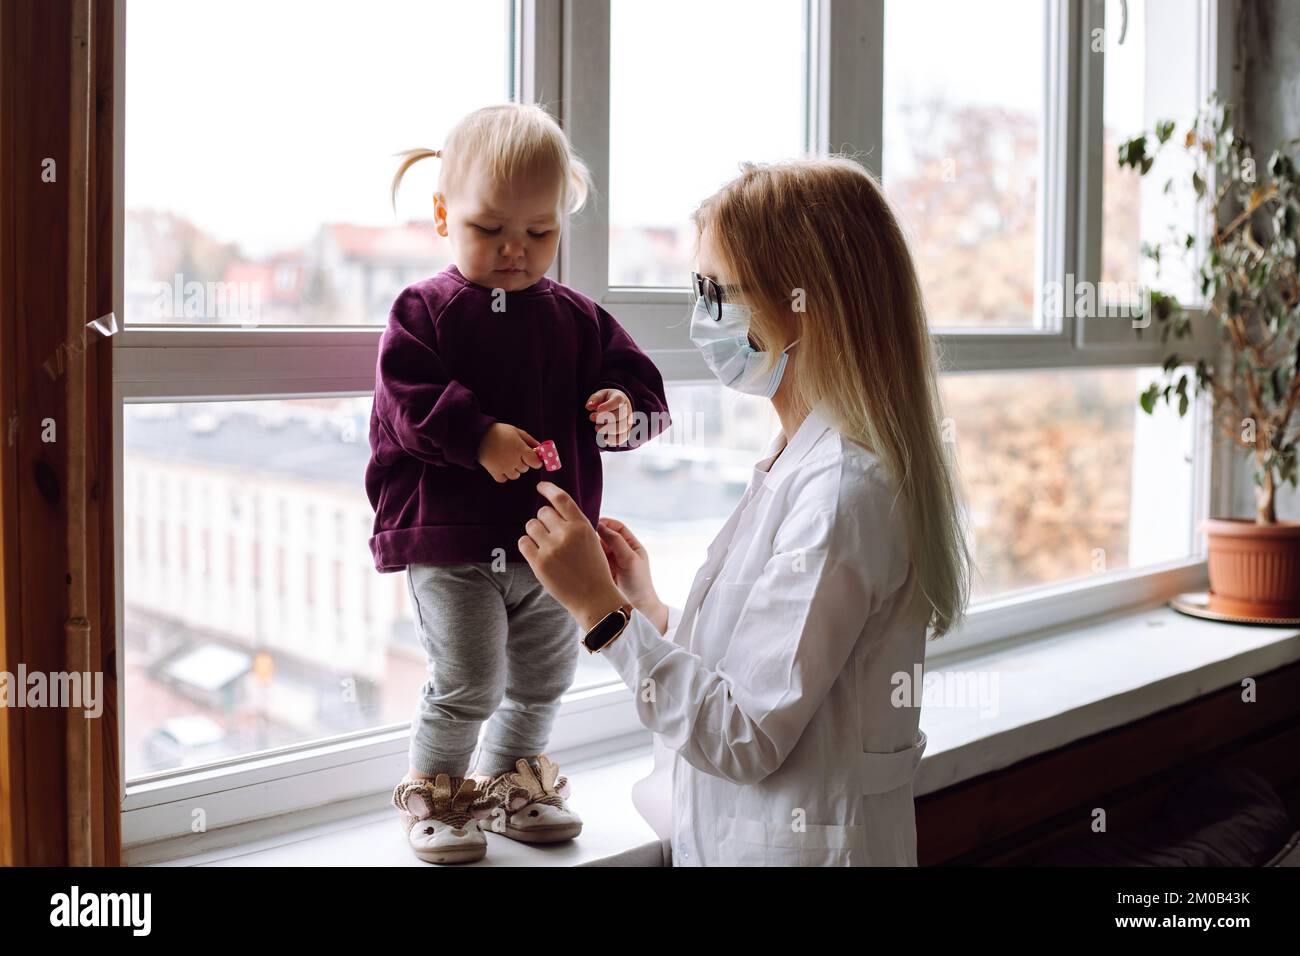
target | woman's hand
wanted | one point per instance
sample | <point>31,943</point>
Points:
<point>565,553</point>
<point>630,565</point>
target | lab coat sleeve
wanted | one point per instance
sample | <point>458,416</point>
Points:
<point>800,621</point>
<point>674,618</point>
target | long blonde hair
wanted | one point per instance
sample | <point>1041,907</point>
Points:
<point>513,140</point>
<point>821,258</point>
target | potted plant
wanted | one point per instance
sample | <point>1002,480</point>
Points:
<point>1249,273</point>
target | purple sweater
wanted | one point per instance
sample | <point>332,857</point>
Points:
<point>449,367</point>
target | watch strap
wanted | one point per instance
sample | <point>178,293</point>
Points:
<point>626,611</point>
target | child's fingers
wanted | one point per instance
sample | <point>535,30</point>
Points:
<point>613,434</point>
<point>612,418</point>
<point>597,397</point>
<point>528,457</point>
<point>613,402</point>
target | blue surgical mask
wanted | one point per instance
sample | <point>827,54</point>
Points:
<point>724,344</point>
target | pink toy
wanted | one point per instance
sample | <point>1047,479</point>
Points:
<point>550,457</point>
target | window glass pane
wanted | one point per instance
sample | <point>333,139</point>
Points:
<point>1076,482</point>
<point>1079,482</point>
<point>259,151</point>
<point>962,157</point>
<point>1150,75</point>
<point>695,88</point>
<point>254,616</point>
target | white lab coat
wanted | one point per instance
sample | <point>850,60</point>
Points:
<point>777,741</point>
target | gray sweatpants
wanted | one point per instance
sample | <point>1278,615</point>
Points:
<point>500,649</point>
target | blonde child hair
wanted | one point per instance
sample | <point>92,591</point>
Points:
<point>513,140</point>
<point>819,234</point>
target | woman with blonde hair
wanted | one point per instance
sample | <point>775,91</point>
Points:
<point>784,691</point>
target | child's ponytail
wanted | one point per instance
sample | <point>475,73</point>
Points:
<point>409,158</point>
<point>505,142</point>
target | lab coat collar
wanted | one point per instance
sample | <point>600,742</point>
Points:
<point>796,449</point>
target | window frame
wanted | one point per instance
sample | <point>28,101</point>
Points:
<point>844,89</point>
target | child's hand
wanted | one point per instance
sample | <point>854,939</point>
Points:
<point>611,410</point>
<point>507,452</point>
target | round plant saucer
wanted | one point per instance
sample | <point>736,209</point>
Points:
<point>1197,604</point>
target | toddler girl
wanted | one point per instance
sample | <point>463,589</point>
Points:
<point>478,366</point>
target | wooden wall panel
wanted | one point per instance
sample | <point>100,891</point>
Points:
<point>36,55</point>
<point>12,838</point>
<point>1012,815</point>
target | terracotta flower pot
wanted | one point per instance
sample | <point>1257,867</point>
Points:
<point>1254,569</point>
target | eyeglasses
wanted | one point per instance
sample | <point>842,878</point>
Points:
<point>711,291</point>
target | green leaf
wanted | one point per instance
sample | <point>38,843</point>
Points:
<point>1133,152</point>
<point>1148,399</point>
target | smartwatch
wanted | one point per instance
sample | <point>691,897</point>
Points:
<point>607,629</point>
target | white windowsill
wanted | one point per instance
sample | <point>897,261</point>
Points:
<point>1052,691</point>
<point>1079,681</point>
<point>372,836</point>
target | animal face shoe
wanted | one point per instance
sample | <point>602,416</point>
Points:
<point>441,818</point>
<point>530,804</point>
